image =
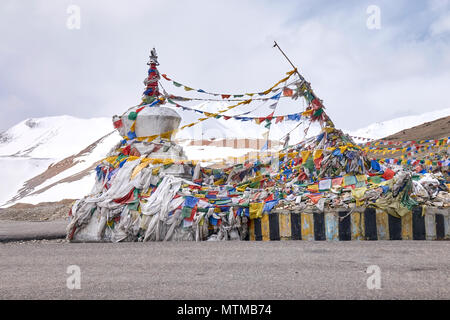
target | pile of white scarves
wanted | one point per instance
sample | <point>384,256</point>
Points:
<point>158,220</point>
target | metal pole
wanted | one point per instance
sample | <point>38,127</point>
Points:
<point>301,77</point>
<point>276,45</point>
<point>296,70</point>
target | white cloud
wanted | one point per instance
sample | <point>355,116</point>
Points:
<point>442,25</point>
<point>362,75</point>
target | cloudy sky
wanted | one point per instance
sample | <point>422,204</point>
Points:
<point>363,75</point>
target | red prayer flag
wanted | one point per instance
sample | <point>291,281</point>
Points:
<point>129,197</point>
<point>126,150</point>
<point>117,124</point>
<point>287,92</point>
<point>318,162</point>
<point>191,218</point>
<point>388,174</point>
<point>314,198</point>
<point>316,104</point>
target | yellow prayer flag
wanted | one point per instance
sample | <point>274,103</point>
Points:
<point>155,171</point>
<point>111,159</point>
<point>307,113</point>
<point>305,155</point>
<point>219,182</point>
<point>151,138</point>
<point>313,187</point>
<point>168,161</point>
<point>242,188</point>
<point>289,73</point>
<point>139,167</point>
<point>318,153</point>
<point>255,210</point>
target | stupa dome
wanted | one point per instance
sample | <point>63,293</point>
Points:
<point>150,121</point>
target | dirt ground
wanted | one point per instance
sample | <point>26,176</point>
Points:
<point>46,211</point>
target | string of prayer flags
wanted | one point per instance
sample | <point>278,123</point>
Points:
<point>227,96</point>
<point>257,120</point>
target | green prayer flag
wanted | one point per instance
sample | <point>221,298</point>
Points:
<point>375,179</point>
<point>309,164</point>
<point>309,96</point>
<point>186,212</point>
<point>132,115</point>
<point>167,165</point>
<point>254,184</point>
<point>318,112</point>
<point>149,100</point>
<point>349,180</point>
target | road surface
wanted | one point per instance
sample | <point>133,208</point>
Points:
<point>11,230</point>
<point>225,270</point>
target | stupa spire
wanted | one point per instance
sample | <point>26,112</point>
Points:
<point>151,82</point>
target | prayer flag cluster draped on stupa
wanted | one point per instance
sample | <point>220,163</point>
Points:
<point>146,189</point>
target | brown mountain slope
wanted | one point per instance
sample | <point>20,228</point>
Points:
<point>432,130</point>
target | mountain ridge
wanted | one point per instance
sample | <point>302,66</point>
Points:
<point>63,170</point>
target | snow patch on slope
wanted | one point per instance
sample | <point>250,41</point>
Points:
<point>15,171</point>
<point>386,128</point>
<point>66,190</point>
<point>53,137</point>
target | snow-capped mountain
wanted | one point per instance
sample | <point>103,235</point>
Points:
<point>38,152</point>
<point>383,129</point>
<point>52,137</point>
<point>50,159</point>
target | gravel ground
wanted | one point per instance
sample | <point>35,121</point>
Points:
<point>46,211</point>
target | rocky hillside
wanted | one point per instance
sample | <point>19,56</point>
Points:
<point>432,130</point>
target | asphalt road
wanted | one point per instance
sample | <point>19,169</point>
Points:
<point>225,270</point>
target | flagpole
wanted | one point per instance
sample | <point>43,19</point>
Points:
<point>276,45</point>
<point>296,71</point>
<point>301,77</point>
